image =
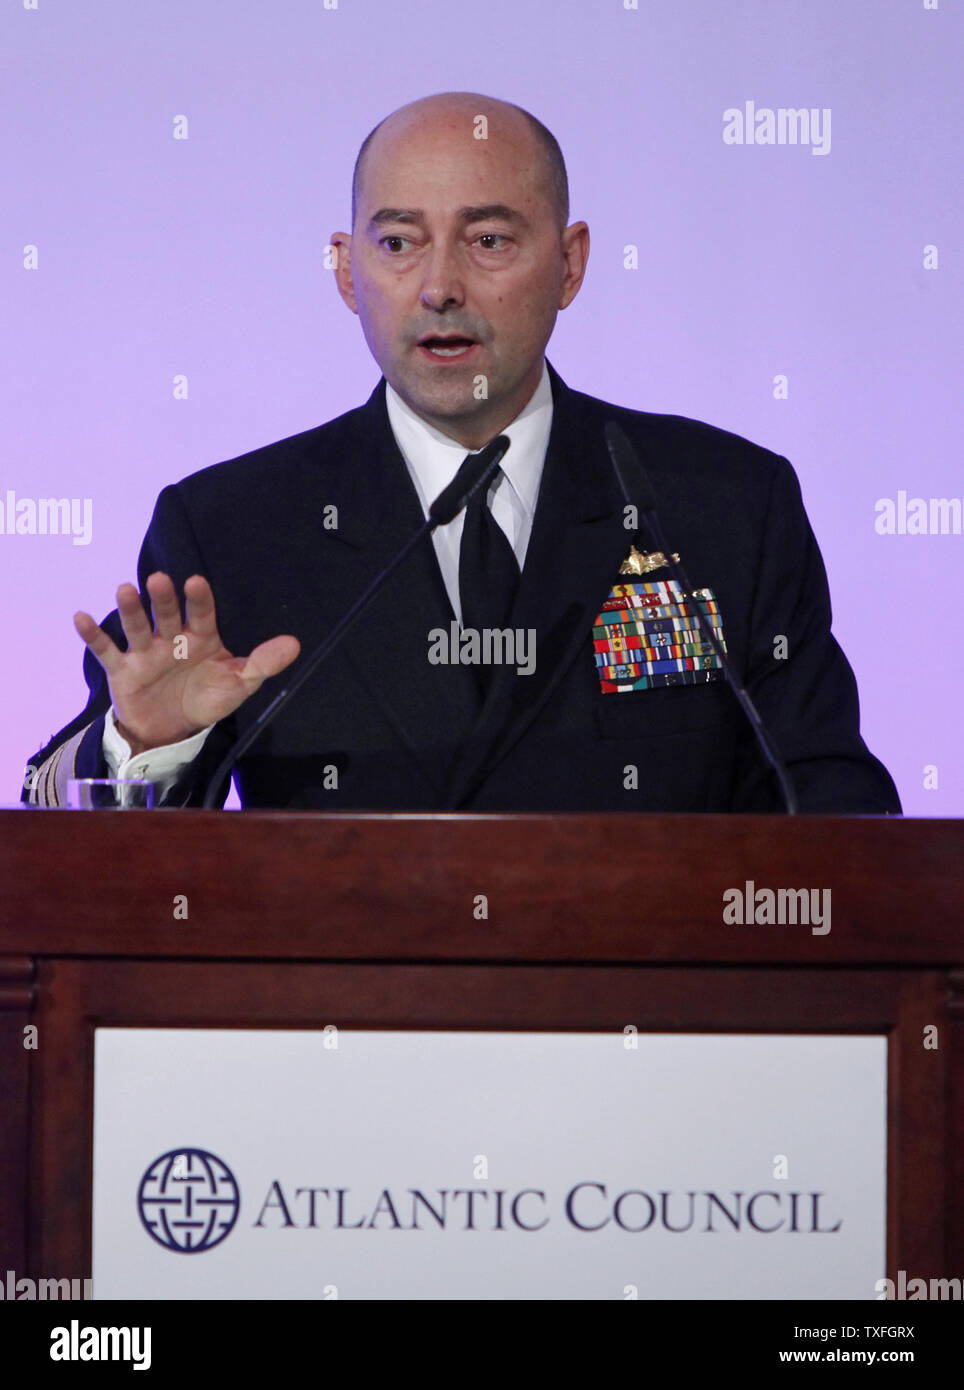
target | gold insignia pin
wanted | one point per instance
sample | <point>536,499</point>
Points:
<point>644,562</point>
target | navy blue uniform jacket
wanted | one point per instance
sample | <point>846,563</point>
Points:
<point>404,734</point>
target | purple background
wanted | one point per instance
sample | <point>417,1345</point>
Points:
<point>205,257</point>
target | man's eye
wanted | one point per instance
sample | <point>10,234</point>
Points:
<point>483,236</point>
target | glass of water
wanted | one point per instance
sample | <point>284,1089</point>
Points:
<point>109,794</point>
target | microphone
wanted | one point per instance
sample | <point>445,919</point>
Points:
<point>636,488</point>
<point>476,471</point>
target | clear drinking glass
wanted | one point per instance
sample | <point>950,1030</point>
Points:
<point>109,794</point>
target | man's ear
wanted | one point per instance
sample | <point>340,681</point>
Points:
<point>341,264</point>
<point>575,243</point>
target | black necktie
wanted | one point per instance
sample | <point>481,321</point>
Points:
<point>488,569</point>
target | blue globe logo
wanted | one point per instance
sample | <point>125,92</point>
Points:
<point>188,1200</point>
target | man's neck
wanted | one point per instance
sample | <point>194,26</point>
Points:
<point>476,433</point>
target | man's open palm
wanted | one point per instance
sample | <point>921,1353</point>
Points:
<point>175,679</point>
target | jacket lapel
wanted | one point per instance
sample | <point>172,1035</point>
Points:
<point>430,707</point>
<point>577,544</point>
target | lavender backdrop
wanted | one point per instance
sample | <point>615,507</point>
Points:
<point>133,258</point>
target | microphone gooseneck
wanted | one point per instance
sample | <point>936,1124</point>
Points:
<point>637,490</point>
<point>475,472</point>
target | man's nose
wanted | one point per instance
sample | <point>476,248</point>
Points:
<point>442,282</point>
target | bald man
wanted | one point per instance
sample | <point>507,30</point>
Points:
<point>536,655</point>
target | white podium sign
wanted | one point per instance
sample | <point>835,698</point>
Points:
<point>455,1165</point>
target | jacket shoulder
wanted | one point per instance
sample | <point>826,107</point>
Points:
<point>675,443</point>
<point>280,464</point>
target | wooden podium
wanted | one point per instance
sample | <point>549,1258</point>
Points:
<point>594,922</point>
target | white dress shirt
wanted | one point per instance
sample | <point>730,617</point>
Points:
<point>432,459</point>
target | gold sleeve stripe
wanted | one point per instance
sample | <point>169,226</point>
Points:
<point>50,783</point>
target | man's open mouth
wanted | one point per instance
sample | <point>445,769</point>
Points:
<point>447,347</point>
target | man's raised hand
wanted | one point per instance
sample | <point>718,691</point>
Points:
<point>175,679</point>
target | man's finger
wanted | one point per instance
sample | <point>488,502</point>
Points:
<point>134,620</point>
<point>103,647</point>
<point>270,658</point>
<point>200,612</point>
<point>164,605</point>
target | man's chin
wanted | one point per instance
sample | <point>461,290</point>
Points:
<point>448,400</point>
